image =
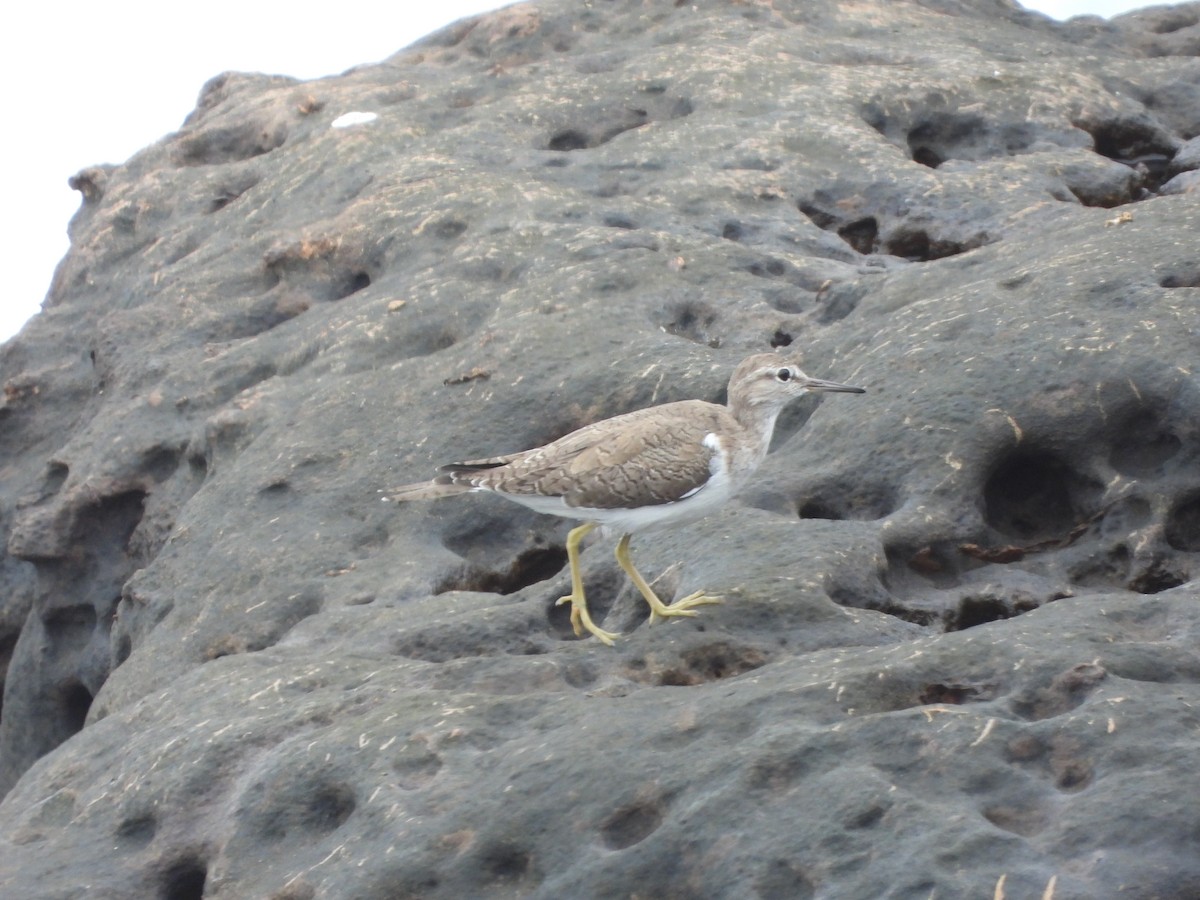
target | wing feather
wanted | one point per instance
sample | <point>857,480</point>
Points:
<point>643,458</point>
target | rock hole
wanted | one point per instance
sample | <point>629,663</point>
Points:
<point>275,490</point>
<point>692,321</point>
<point>823,220</point>
<point>681,108</point>
<point>713,662</point>
<point>779,767</point>
<point>160,462</point>
<point>608,124</point>
<point>329,807</point>
<point>770,268</point>
<point>732,231</point>
<point>1022,821</point>
<point>353,283</point>
<point>913,615</point>
<point>137,830</point>
<point>1037,496</point>
<point>956,693</point>
<point>415,766</point>
<point>1183,278</point>
<point>1123,139</point>
<point>862,501</point>
<point>448,229</point>
<point>1135,143</point>
<point>227,194</point>
<point>70,626</point>
<point>1155,170</point>
<point>867,818</point>
<point>74,701</point>
<point>632,824</point>
<point>530,567</point>
<point>916,245</point>
<point>183,248</point>
<point>838,301</point>
<point>862,235</point>
<point>197,465</point>
<point>1065,692</point>
<point>781,338</point>
<point>615,221</point>
<point>880,602</point>
<point>926,157</point>
<point>974,611</point>
<point>1143,447</point>
<point>1072,775</point>
<point>1183,525</point>
<point>184,880</point>
<point>507,862</point>
<point>1126,515</point>
<point>817,509</point>
<point>56,475</point>
<point>303,811</point>
<point>910,243</point>
<point>1024,748</point>
<point>311,269</point>
<point>1154,579</point>
<point>113,519</point>
<point>568,140</point>
<point>123,650</point>
<point>220,201</point>
<point>787,880</point>
<point>217,146</point>
<point>945,136</point>
<point>8,643</point>
<point>1106,569</point>
<point>938,564</point>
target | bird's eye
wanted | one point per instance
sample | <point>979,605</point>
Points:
<point>784,374</point>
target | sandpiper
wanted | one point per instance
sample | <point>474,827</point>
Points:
<point>653,467</point>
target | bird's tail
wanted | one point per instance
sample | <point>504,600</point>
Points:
<point>425,490</point>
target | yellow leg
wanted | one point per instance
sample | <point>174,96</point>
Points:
<point>658,609</point>
<point>580,619</point>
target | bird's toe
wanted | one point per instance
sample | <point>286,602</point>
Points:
<point>683,606</point>
<point>581,620</point>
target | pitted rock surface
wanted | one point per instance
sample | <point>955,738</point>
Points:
<point>958,655</point>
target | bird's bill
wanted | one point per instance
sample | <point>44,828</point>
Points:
<point>818,384</point>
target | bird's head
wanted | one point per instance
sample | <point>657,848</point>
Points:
<point>769,380</point>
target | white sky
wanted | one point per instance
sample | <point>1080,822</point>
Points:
<point>94,83</point>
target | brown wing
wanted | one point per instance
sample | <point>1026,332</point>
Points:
<point>642,458</point>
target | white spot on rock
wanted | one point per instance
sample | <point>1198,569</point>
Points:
<point>353,118</point>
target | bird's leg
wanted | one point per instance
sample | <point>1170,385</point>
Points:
<point>580,619</point>
<point>658,609</point>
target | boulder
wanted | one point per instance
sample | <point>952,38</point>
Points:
<point>958,653</point>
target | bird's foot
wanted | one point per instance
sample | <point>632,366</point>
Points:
<point>683,606</point>
<point>581,619</point>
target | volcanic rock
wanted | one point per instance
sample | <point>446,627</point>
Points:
<point>959,653</point>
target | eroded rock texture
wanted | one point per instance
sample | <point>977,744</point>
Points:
<point>959,657</point>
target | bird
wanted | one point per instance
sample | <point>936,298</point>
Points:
<point>659,466</point>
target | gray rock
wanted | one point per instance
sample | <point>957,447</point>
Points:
<point>1187,157</point>
<point>958,656</point>
<point>1183,183</point>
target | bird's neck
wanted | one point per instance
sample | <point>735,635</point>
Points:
<point>758,424</point>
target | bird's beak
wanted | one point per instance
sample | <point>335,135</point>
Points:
<point>817,384</point>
